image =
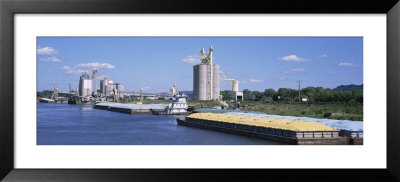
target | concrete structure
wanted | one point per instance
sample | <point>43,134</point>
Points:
<point>103,84</point>
<point>85,85</point>
<point>106,87</point>
<point>120,90</point>
<point>235,89</point>
<point>94,78</point>
<point>206,78</point>
<point>173,90</point>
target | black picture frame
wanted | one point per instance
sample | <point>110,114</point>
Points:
<point>8,8</point>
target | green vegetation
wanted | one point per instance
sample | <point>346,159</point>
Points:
<point>312,94</point>
<point>48,93</point>
<point>340,111</point>
<point>203,104</point>
<point>226,95</point>
<point>321,103</point>
<point>44,94</point>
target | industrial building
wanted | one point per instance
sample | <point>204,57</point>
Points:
<point>106,87</point>
<point>206,78</point>
<point>94,78</point>
<point>85,85</point>
<point>238,96</point>
<point>120,90</point>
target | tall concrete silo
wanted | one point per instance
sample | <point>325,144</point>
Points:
<point>85,85</point>
<point>206,78</point>
<point>235,86</point>
<point>195,82</point>
<point>216,82</point>
<point>202,82</point>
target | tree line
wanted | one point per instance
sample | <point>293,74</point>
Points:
<point>49,93</point>
<point>312,94</point>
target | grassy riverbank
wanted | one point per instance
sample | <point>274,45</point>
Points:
<point>342,111</point>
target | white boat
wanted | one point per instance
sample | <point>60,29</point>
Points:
<point>177,106</point>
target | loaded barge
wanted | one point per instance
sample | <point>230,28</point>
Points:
<point>288,131</point>
<point>350,129</point>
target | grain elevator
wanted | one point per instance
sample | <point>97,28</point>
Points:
<point>206,78</point>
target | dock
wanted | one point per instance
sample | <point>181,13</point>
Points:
<point>282,130</point>
<point>131,108</point>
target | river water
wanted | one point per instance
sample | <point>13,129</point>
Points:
<point>65,124</point>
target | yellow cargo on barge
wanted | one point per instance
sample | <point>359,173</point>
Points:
<point>283,124</point>
<point>289,131</point>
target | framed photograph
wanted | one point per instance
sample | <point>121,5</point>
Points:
<point>154,90</point>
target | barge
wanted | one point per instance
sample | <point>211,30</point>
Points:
<point>131,108</point>
<point>46,100</point>
<point>287,131</point>
<point>351,129</point>
<point>178,106</point>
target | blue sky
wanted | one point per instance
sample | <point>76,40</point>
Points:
<point>155,63</point>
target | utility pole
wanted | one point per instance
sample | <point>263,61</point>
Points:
<point>299,90</point>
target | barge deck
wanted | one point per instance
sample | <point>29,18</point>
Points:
<point>131,108</point>
<point>287,131</point>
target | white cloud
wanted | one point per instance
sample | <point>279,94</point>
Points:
<point>293,58</point>
<point>294,71</point>
<point>76,71</point>
<point>255,81</point>
<point>192,59</point>
<point>96,65</point>
<point>347,64</point>
<point>323,56</point>
<point>50,59</point>
<point>333,72</point>
<point>46,51</point>
<point>282,78</point>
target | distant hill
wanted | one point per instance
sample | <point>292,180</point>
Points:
<point>348,88</point>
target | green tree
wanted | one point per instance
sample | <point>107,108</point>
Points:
<point>45,94</point>
<point>257,95</point>
<point>309,93</point>
<point>247,95</point>
<point>226,95</point>
<point>286,94</point>
<point>265,99</point>
<point>269,93</point>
